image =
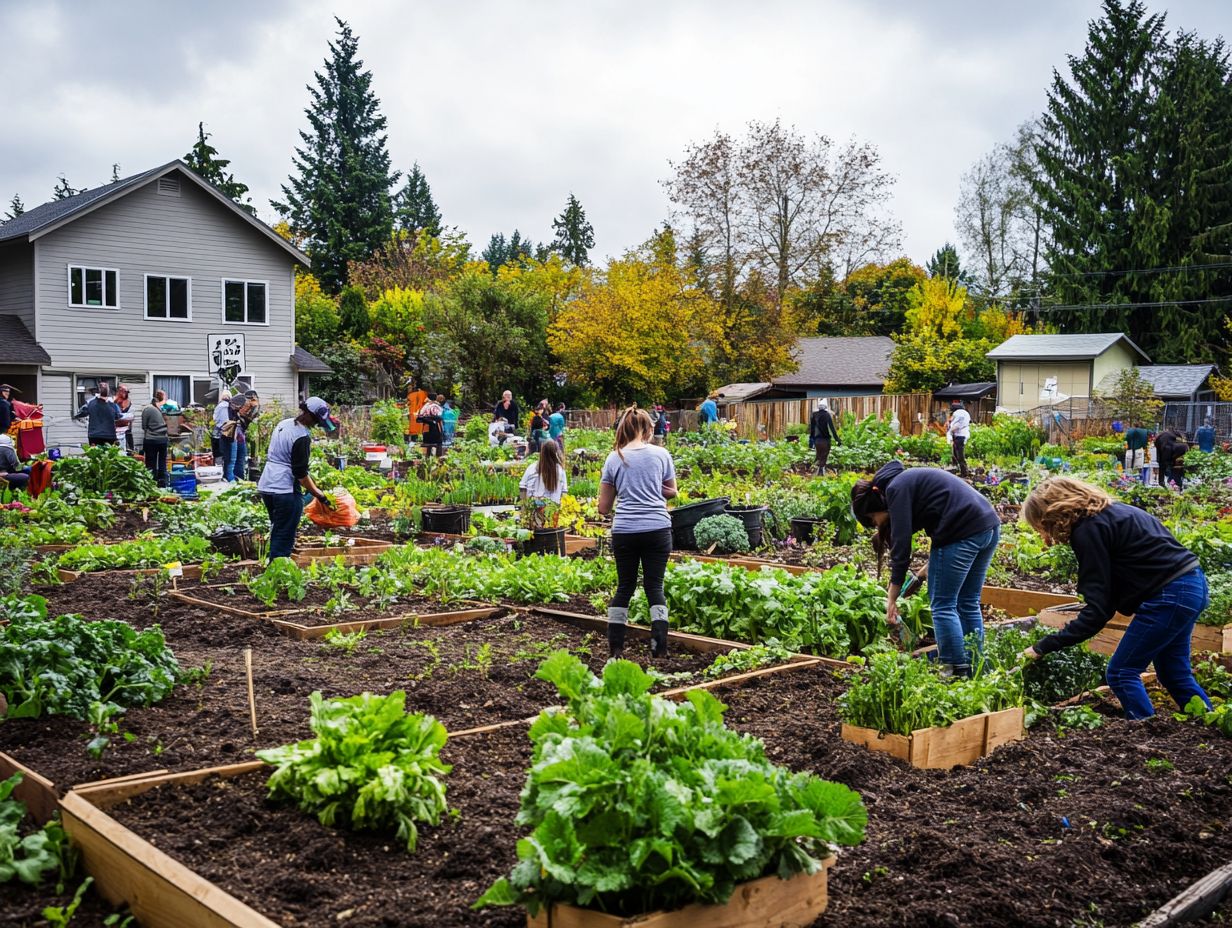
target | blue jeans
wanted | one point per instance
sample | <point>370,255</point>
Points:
<point>227,446</point>
<point>1160,632</point>
<point>955,581</point>
<point>285,510</point>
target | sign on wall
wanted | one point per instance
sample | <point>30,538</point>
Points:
<point>225,356</point>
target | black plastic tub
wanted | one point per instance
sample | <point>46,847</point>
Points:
<point>685,519</point>
<point>803,529</point>
<point>753,518</point>
<point>545,541</point>
<point>449,520</point>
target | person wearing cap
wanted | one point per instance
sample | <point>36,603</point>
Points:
<point>286,471</point>
<point>1204,436</point>
<point>964,530</point>
<point>708,411</point>
<point>6,407</point>
<point>821,429</point>
<point>959,430</point>
<point>10,465</point>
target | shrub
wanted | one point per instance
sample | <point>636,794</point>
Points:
<point>725,533</point>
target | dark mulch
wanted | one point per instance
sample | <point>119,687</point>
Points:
<point>988,844</point>
<point>22,906</point>
<point>296,871</point>
<point>468,675</point>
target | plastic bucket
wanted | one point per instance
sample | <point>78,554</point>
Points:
<point>450,520</point>
<point>803,529</point>
<point>753,518</point>
<point>685,519</point>
<point>236,542</point>
<point>184,484</point>
<point>545,541</point>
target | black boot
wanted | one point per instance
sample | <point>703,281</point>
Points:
<point>658,631</point>
<point>616,619</point>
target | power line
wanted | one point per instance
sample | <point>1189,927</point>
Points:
<point>1074,307</point>
<point>1145,270</point>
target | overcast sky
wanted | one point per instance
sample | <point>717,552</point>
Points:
<point>508,107</point>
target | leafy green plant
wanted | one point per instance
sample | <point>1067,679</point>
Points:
<point>282,575</point>
<point>104,471</point>
<point>34,857</point>
<point>1052,678</point>
<point>743,660</point>
<point>636,803</point>
<point>345,641</point>
<point>899,694</point>
<point>90,670</point>
<point>371,766</point>
<point>1078,718</point>
<point>140,554</point>
<point>722,533</point>
<point>59,916</point>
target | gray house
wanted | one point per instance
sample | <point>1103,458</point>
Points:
<point>838,366</point>
<point>155,282</point>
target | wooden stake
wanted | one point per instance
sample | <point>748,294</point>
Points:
<point>252,700</point>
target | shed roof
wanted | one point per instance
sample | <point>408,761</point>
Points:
<point>739,392</point>
<point>964,391</point>
<point>17,345</point>
<point>840,362</point>
<point>308,363</point>
<point>1168,380</point>
<point>1054,347</point>
<point>48,217</point>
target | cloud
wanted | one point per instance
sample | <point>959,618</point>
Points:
<point>510,107</point>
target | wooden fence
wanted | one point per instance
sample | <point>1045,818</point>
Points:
<point>769,419</point>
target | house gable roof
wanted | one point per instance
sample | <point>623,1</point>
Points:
<point>1168,380</point>
<point>738,392</point>
<point>840,362</point>
<point>963,391</point>
<point>41,220</point>
<point>307,363</point>
<point>1057,347</point>
<point>17,345</point>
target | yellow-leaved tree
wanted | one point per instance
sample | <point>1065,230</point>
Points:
<point>640,329</point>
<point>553,278</point>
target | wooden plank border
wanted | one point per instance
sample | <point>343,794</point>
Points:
<point>35,790</point>
<point>428,619</point>
<point>940,748</point>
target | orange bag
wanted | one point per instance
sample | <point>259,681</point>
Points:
<point>344,514</point>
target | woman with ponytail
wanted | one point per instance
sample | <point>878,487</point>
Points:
<point>964,530</point>
<point>638,479</point>
<point>1128,563</point>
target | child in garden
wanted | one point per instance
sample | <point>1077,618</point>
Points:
<point>1128,563</point>
<point>545,477</point>
<point>638,478</point>
<point>964,529</point>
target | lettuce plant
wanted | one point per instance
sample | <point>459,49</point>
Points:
<point>636,803</point>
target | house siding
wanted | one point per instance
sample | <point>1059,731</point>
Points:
<point>1019,382</point>
<point>17,282</point>
<point>142,233</point>
<point>1116,358</point>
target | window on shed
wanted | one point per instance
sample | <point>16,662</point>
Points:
<point>92,286</point>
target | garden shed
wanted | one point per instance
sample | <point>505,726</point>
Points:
<point>1069,367</point>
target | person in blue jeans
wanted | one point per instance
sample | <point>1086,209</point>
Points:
<point>286,470</point>
<point>964,530</point>
<point>1128,563</point>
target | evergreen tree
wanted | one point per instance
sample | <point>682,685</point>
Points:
<point>16,207</point>
<point>353,312</point>
<point>414,208</point>
<point>339,198</point>
<point>944,263</point>
<point>203,159</point>
<point>574,235</point>
<point>115,172</point>
<point>514,250</point>
<point>1134,179</point>
<point>63,189</point>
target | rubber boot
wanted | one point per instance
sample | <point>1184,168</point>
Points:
<point>658,631</point>
<point>617,619</point>
<point>955,671</point>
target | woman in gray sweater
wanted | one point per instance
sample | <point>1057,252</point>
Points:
<point>154,430</point>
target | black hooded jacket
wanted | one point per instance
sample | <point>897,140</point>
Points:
<point>930,499</point>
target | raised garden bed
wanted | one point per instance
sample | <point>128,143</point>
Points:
<point>963,742</point>
<point>573,543</point>
<point>355,551</point>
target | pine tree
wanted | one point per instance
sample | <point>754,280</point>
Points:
<point>353,312</point>
<point>16,207</point>
<point>514,250</point>
<point>203,159</point>
<point>944,263</point>
<point>63,189</point>
<point>414,208</point>
<point>115,172</point>
<point>574,235</point>
<point>1134,157</point>
<point>339,198</point>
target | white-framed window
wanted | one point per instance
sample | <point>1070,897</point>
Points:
<point>187,388</point>
<point>168,297</point>
<point>93,287</point>
<point>245,302</point>
<point>85,387</point>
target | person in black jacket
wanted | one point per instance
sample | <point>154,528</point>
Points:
<point>6,407</point>
<point>821,428</point>
<point>507,409</point>
<point>964,529</point>
<point>1164,454</point>
<point>1128,563</point>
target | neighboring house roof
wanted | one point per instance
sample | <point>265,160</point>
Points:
<point>964,391</point>
<point>17,345</point>
<point>307,363</point>
<point>840,362</point>
<point>1168,380</point>
<point>48,217</point>
<point>1060,347</point>
<point>739,392</point>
